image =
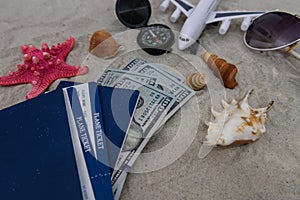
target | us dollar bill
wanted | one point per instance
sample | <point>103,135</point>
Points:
<point>118,185</point>
<point>152,108</point>
<point>110,75</point>
<point>165,82</point>
<point>136,62</point>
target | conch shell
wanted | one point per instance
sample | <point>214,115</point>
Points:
<point>196,81</point>
<point>103,45</point>
<point>238,123</point>
<point>221,68</point>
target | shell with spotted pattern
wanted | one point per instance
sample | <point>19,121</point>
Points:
<point>238,123</point>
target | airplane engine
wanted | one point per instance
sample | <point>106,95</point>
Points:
<point>246,23</point>
<point>164,5</point>
<point>176,14</point>
<point>224,26</point>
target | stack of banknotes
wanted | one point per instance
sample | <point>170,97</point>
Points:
<point>162,93</point>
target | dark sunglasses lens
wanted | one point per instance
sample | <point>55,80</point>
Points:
<point>273,30</point>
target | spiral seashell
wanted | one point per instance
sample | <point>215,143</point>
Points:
<point>237,123</point>
<point>196,81</point>
<point>103,45</point>
<point>222,68</point>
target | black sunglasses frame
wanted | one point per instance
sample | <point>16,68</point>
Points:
<point>291,44</point>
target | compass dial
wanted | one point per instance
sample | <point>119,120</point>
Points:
<point>156,39</point>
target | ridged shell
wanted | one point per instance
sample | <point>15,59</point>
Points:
<point>237,123</point>
<point>221,68</point>
<point>196,81</point>
<point>103,45</point>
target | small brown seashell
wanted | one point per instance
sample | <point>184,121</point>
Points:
<point>221,68</point>
<point>196,81</point>
<point>103,45</point>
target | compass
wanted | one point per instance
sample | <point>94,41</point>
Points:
<point>156,39</point>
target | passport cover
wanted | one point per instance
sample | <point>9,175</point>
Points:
<point>36,151</point>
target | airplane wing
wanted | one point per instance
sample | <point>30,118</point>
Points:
<point>222,15</point>
<point>185,7</point>
<point>226,16</point>
<point>182,6</point>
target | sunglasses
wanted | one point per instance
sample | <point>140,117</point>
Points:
<point>272,31</point>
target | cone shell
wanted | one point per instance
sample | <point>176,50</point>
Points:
<point>195,81</point>
<point>222,68</point>
<point>103,45</point>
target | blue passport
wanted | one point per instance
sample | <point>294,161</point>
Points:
<point>36,151</point>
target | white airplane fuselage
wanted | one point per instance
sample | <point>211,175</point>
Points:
<point>195,23</point>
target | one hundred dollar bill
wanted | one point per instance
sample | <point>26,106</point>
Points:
<point>166,82</point>
<point>152,108</point>
<point>110,75</point>
<point>135,63</point>
<point>118,185</point>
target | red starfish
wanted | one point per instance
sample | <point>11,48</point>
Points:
<point>42,67</point>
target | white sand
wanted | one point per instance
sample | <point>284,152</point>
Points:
<point>266,169</point>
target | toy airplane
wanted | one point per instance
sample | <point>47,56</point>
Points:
<point>202,14</point>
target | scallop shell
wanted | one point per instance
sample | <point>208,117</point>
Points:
<point>196,81</point>
<point>221,68</point>
<point>238,123</point>
<point>103,45</point>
